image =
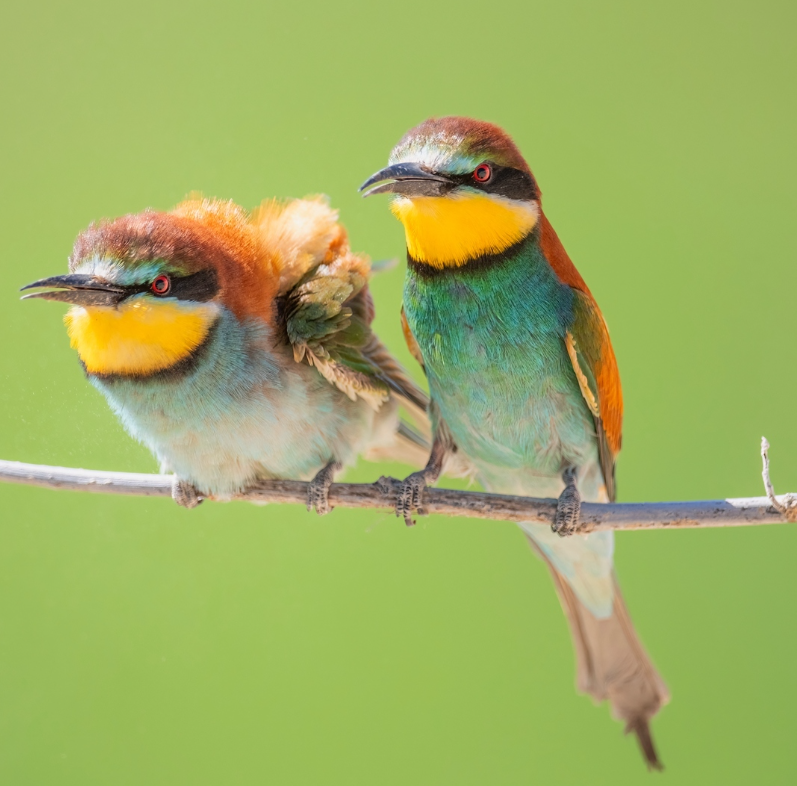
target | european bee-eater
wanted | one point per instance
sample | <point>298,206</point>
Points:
<point>236,346</point>
<point>522,376</point>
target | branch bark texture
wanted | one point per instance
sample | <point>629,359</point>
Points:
<point>447,502</point>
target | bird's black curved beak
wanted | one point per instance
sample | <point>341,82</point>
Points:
<point>409,180</point>
<point>77,288</point>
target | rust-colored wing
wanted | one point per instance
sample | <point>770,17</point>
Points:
<point>412,344</point>
<point>592,356</point>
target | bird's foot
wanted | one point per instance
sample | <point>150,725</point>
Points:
<point>410,496</point>
<point>185,494</point>
<point>568,508</point>
<point>318,489</point>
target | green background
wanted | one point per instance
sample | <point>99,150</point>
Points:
<point>144,644</point>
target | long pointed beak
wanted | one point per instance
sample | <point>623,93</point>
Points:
<point>409,180</point>
<point>76,288</point>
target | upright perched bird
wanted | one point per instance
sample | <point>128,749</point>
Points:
<point>523,379</point>
<point>236,346</point>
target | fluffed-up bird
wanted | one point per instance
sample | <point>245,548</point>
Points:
<point>522,376</point>
<point>238,346</point>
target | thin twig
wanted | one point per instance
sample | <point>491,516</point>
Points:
<point>382,494</point>
<point>788,506</point>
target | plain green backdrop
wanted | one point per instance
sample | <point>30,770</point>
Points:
<point>144,644</point>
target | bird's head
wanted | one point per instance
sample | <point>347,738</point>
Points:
<point>147,289</point>
<point>463,191</point>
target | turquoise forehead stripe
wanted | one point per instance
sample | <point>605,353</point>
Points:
<point>440,155</point>
<point>127,273</point>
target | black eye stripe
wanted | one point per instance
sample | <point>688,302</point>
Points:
<point>200,287</point>
<point>505,181</point>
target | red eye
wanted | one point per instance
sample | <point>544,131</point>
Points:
<point>161,285</point>
<point>482,173</point>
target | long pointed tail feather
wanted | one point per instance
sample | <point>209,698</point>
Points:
<point>611,663</point>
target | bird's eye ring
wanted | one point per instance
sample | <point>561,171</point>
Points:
<point>161,285</point>
<point>482,173</point>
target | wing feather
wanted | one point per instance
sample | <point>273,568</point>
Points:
<point>595,366</point>
<point>326,307</point>
<point>412,343</point>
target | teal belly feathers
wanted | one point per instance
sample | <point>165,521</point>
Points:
<point>494,350</point>
<point>493,345</point>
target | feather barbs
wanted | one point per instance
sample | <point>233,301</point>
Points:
<point>353,383</point>
<point>583,382</point>
<point>300,234</point>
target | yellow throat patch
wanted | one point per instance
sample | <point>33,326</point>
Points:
<point>139,337</point>
<point>448,231</point>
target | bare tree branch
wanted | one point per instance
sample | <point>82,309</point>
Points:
<point>382,494</point>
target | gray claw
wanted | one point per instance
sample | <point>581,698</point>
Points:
<point>568,508</point>
<point>318,489</point>
<point>185,494</point>
<point>410,497</point>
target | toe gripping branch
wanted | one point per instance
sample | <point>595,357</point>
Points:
<point>318,488</point>
<point>568,508</point>
<point>185,494</point>
<point>410,493</point>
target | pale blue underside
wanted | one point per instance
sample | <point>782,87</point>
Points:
<point>246,410</point>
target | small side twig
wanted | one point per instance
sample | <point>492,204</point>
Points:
<point>786,508</point>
